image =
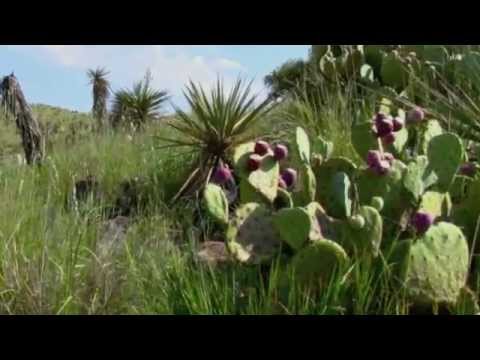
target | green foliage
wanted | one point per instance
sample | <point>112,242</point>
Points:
<point>216,203</point>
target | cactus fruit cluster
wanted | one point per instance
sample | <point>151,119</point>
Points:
<point>322,212</point>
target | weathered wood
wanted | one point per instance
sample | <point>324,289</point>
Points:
<point>15,103</point>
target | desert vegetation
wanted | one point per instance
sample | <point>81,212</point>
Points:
<point>352,189</point>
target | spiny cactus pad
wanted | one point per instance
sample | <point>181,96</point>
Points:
<point>322,147</point>
<point>445,154</point>
<point>325,174</point>
<point>265,179</point>
<point>436,203</point>
<point>418,177</point>
<point>302,145</point>
<point>438,265</point>
<point>363,138</point>
<point>315,263</point>
<point>305,190</point>
<point>388,187</point>
<point>342,204</point>
<point>432,128</point>
<point>251,237</point>
<point>216,203</point>
<point>293,226</point>
<point>240,158</point>
<point>368,239</point>
<point>467,213</point>
<point>283,199</point>
<point>394,73</point>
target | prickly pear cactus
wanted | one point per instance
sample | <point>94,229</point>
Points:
<point>436,203</point>
<point>325,182</point>
<point>306,187</point>
<point>367,239</point>
<point>216,203</point>
<point>438,265</point>
<point>341,202</point>
<point>283,200</point>
<point>240,158</point>
<point>374,57</point>
<point>293,226</point>
<point>436,54</point>
<point>265,179</point>
<point>363,139</point>
<point>394,72</point>
<point>314,264</point>
<point>322,147</point>
<point>419,177</point>
<point>251,236</point>
<point>445,155</point>
<point>467,213</point>
<point>432,129</point>
<point>302,145</point>
<point>388,187</point>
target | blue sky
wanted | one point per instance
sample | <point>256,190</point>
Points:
<point>55,74</point>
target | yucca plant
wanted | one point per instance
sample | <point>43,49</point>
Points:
<point>100,94</point>
<point>215,125</point>
<point>138,105</point>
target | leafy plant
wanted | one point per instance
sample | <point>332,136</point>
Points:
<point>138,105</point>
<point>215,125</point>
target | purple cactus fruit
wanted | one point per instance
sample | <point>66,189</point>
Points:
<point>422,222</point>
<point>280,152</point>
<point>254,162</point>
<point>282,184</point>
<point>382,168</point>
<point>289,176</point>
<point>397,124</point>
<point>373,158</point>
<point>261,148</point>
<point>384,126</point>
<point>468,169</point>
<point>389,139</point>
<point>222,174</point>
<point>388,157</point>
<point>415,116</point>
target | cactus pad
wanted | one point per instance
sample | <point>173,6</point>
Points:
<point>293,226</point>
<point>432,128</point>
<point>315,263</point>
<point>216,203</point>
<point>363,139</point>
<point>436,203</point>
<point>265,179</point>
<point>418,177</point>
<point>305,190</point>
<point>394,73</point>
<point>438,265</point>
<point>340,201</point>
<point>302,145</point>
<point>251,237</point>
<point>322,147</point>
<point>445,155</point>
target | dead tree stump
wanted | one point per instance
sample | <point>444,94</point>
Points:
<point>15,104</point>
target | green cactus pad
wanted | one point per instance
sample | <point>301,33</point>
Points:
<point>401,139</point>
<point>374,57</point>
<point>418,177</point>
<point>438,266</point>
<point>399,260</point>
<point>314,264</point>
<point>302,145</point>
<point>216,203</point>
<point>248,194</point>
<point>325,182</point>
<point>431,129</point>
<point>251,237</point>
<point>306,187</point>
<point>240,157</point>
<point>467,302</point>
<point>394,73</point>
<point>445,154</point>
<point>323,226</point>
<point>366,240</point>
<point>363,139</point>
<point>467,213</point>
<point>436,203</point>
<point>322,147</point>
<point>293,226</point>
<point>388,187</point>
<point>283,199</point>
<point>265,179</point>
<point>342,204</point>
